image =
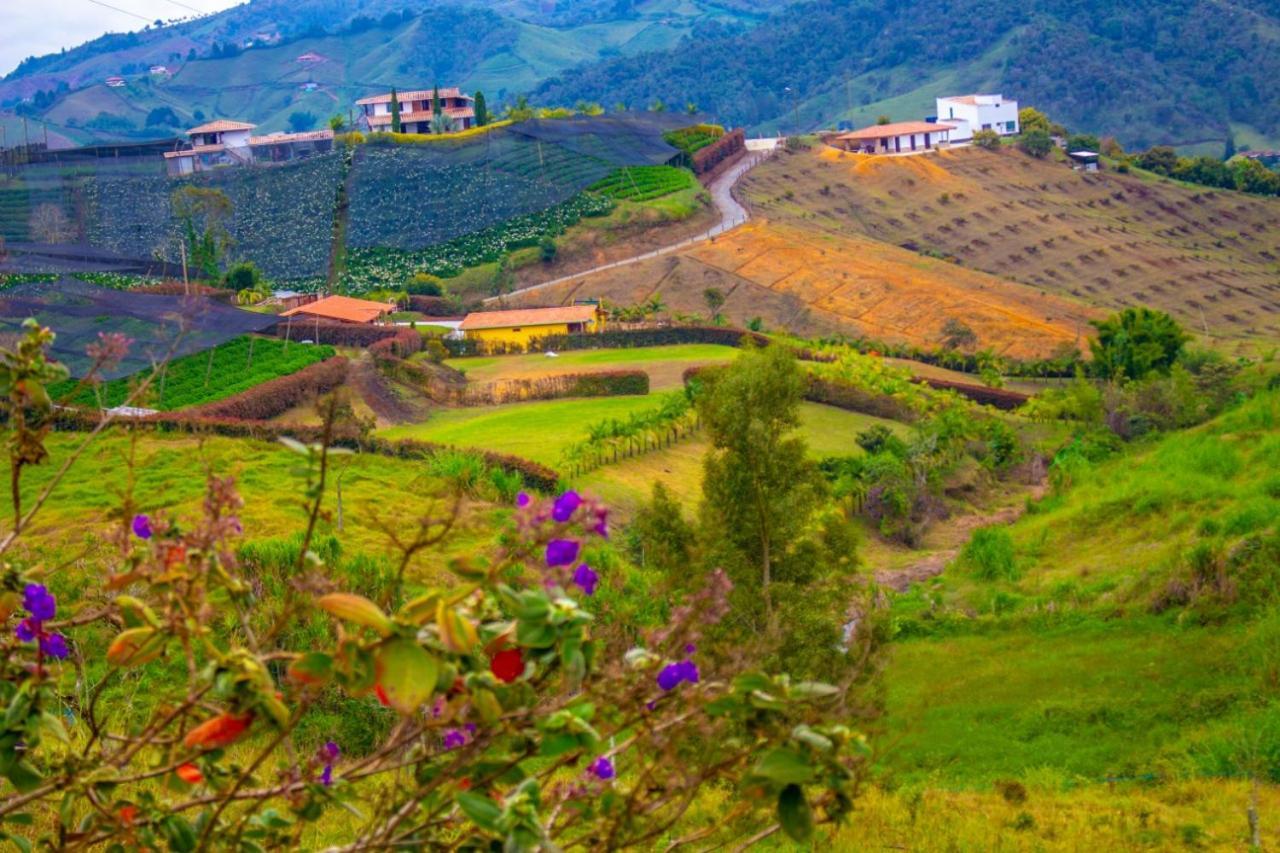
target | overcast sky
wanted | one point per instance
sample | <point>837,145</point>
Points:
<point>37,27</point>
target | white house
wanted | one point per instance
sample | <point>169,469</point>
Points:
<point>231,143</point>
<point>978,112</point>
<point>415,110</point>
<point>901,137</point>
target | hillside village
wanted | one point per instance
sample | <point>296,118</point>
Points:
<point>442,473</point>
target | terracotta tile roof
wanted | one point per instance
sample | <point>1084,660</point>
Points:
<point>343,308</point>
<point>528,317</point>
<point>415,95</point>
<point>405,118</point>
<point>220,125</point>
<point>901,128</point>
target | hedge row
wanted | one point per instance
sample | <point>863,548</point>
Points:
<point>404,343</point>
<point>729,145</point>
<point>612,383</point>
<point>432,306</point>
<point>277,396</point>
<point>854,399</point>
<point>335,334</point>
<point>534,475</point>
<point>1001,398</point>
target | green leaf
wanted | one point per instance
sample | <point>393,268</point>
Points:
<point>813,690</point>
<point>24,777</point>
<point>356,608</point>
<point>313,668</point>
<point>806,735</point>
<point>407,674</point>
<point>794,814</point>
<point>784,766</point>
<point>178,833</point>
<point>558,744</point>
<point>483,811</point>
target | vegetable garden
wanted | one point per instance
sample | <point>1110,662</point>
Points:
<point>235,366</point>
<point>642,183</point>
<point>691,140</point>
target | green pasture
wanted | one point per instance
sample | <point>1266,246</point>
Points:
<point>665,365</point>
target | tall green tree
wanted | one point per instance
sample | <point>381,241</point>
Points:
<point>437,107</point>
<point>1135,343</point>
<point>1030,118</point>
<point>1037,143</point>
<point>759,488</point>
<point>482,110</point>
<point>395,111</point>
<point>203,214</point>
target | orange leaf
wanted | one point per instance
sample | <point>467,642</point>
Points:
<point>220,731</point>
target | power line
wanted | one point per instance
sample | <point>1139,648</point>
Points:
<point>121,11</point>
<point>185,6</point>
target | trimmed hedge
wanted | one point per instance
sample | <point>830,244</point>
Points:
<point>729,145</point>
<point>619,339</point>
<point>403,344</point>
<point>1000,398</point>
<point>853,399</point>
<point>611,383</point>
<point>432,306</point>
<point>278,396</point>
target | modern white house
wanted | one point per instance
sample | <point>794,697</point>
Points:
<point>901,137</point>
<point>978,112</point>
<point>232,143</point>
<point>416,110</point>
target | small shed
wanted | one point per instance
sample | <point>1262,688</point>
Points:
<point>1084,161</point>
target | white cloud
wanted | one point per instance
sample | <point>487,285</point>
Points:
<point>37,27</point>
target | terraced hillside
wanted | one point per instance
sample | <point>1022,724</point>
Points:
<point>1210,257</point>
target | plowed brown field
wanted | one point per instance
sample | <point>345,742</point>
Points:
<point>1210,257</point>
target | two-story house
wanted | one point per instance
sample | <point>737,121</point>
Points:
<point>416,110</point>
<point>969,113</point>
<point>232,143</point>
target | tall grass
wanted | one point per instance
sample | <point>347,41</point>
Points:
<point>989,555</point>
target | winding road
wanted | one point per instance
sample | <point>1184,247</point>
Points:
<point>732,214</point>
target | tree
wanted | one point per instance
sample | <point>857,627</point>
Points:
<point>441,123</point>
<point>300,121</point>
<point>1030,118</point>
<point>437,106</point>
<point>1253,177</point>
<point>659,536</point>
<point>1135,343</point>
<point>395,111</point>
<point>883,119</point>
<point>520,111</point>
<point>243,276</point>
<point>337,123</point>
<point>759,487</point>
<point>482,110</point>
<point>714,297</point>
<point>987,139</point>
<point>1229,150</point>
<point>163,116</point>
<point>48,223</point>
<point>547,249</point>
<point>1083,142</point>
<point>956,334</point>
<point>1036,143</point>
<point>203,214</point>
<point>1161,159</point>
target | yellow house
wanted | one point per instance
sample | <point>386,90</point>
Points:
<point>522,325</point>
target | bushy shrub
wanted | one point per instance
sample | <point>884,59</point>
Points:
<point>989,555</point>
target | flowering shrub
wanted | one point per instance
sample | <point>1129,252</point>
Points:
<point>510,723</point>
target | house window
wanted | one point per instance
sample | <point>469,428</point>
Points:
<point>986,127</point>
<point>516,329</point>
<point>1011,126</point>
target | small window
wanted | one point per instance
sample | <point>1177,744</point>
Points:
<point>516,329</point>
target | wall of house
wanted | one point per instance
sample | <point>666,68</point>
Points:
<point>524,334</point>
<point>980,116</point>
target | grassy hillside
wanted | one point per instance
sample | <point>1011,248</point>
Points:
<point>1132,638</point>
<point>1108,240</point>
<point>1148,72</point>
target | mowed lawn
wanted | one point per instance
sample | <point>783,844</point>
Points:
<point>542,430</point>
<point>665,365</point>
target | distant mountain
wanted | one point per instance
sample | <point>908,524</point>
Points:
<point>1147,71</point>
<point>244,62</point>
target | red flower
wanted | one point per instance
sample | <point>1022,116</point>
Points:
<point>189,773</point>
<point>382,696</point>
<point>507,665</point>
<point>127,814</point>
<point>464,784</point>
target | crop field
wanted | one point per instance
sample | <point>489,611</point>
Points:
<point>204,377</point>
<point>691,140</point>
<point>644,183</point>
<point>665,365</point>
<point>1208,257</point>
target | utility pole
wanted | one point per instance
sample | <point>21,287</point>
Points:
<point>26,139</point>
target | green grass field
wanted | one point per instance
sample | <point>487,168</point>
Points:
<point>665,365</point>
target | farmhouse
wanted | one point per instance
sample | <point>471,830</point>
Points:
<point>978,112</point>
<point>231,143</point>
<point>344,309</point>
<point>522,325</point>
<point>416,110</point>
<point>900,138</point>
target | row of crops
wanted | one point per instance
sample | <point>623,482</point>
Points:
<point>225,370</point>
<point>643,183</point>
<point>690,140</point>
<point>379,267</point>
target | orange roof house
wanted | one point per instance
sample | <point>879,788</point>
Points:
<point>898,138</point>
<point>416,108</point>
<point>344,309</point>
<point>523,325</point>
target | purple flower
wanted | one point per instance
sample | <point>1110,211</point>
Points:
<point>586,578</point>
<point>54,646</point>
<point>690,648</point>
<point>454,738</point>
<point>142,526</point>
<point>326,775</point>
<point>39,603</point>
<point>674,673</point>
<point>601,527</point>
<point>522,500</point>
<point>329,754</point>
<point>25,632</point>
<point>565,506</point>
<point>602,769</point>
<point>561,552</point>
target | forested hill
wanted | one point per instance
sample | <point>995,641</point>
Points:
<point>1147,71</point>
